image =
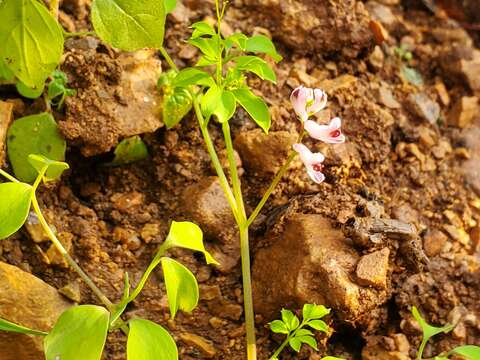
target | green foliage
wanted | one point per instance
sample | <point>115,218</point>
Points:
<point>470,352</point>
<point>58,90</point>
<point>255,65</point>
<point>130,150</point>
<point>35,134</point>
<point>411,75</point>
<point>176,98</point>
<point>262,44</point>
<point>254,106</point>
<point>79,334</point>
<point>218,102</point>
<point>5,73</point>
<point>149,341</point>
<point>182,287</point>
<point>189,236</point>
<point>32,41</point>
<point>130,25</point>
<point>202,28</point>
<point>29,93</point>
<point>53,169</point>
<point>14,207</point>
<point>170,5</point>
<point>192,76</point>
<point>11,327</point>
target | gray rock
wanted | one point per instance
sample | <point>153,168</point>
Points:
<point>424,107</point>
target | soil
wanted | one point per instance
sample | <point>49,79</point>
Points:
<point>395,156</point>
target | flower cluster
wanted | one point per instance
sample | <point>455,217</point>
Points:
<point>307,102</point>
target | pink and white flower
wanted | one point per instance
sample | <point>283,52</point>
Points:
<point>307,102</point>
<point>312,161</point>
<point>330,134</point>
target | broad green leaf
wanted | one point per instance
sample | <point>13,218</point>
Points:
<point>262,44</point>
<point>130,25</point>
<point>14,207</point>
<point>471,352</point>
<point>218,102</point>
<point>79,334</point>
<point>29,93</point>
<point>189,236</point>
<point>205,61</point>
<point>55,169</point>
<point>429,330</point>
<point>170,5</point>
<point>295,344</point>
<point>32,40</point>
<point>202,28</point>
<point>290,319</point>
<point>319,325</point>
<point>182,287</point>
<point>278,326</point>
<point>6,325</point>
<point>313,311</point>
<point>176,105</point>
<point>149,341</point>
<point>303,332</point>
<point>257,66</point>
<point>130,150</point>
<point>208,46</point>
<point>5,73</point>
<point>36,134</point>
<point>254,106</point>
<point>192,76</point>
<point>238,39</point>
<point>166,79</point>
<point>309,340</point>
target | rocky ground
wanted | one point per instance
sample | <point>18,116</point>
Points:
<point>396,223</point>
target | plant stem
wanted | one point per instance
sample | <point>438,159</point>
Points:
<point>219,34</point>
<point>237,189</point>
<point>67,34</point>
<point>8,176</point>
<point>280,349</point>
<point>421,349</point>
<point>168,59</point>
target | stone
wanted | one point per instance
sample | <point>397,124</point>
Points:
<point>262,153</point>
<point>127,202</point>
<point>426,136</point>
<point>54,256</point>
<point>372,269</point>
<point>35,229</point>
<point>433,242</point>
<point>376,58</point>
<point>210,292</point>
<point>26,300</point>
<point>385,348</point>
<point>470,167</point>
<point>457,234</point>
<point>6,118</point>
<point>339,83</point>
<point>442,93</point>
<point>202,344</point>
<point>312,262</point>
<point>385,97</point>
<point>463,112</point>
<point>442,149</point>
<point>381,13</point>
<point>379,32</point>
<point>423,107</point>
<point>226,309</point>
<point>72,291</point>
<point>149,232</point>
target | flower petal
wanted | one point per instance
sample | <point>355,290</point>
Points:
<point>304,152</point>
<point>316,176</point>
<point>319,101</point>
<point>299,99</point>
<point>317,131</point>
<point>335,123</point>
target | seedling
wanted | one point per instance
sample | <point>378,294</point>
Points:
<point>469,352</point>
<point>298,333</point>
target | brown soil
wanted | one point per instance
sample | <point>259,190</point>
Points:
<point>394,156</point>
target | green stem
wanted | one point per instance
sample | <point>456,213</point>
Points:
<point>237,189</point>
<point>280,349</point>
<point>168,59</point>
<point>219,33</point>
<point>421,349</point>
<point>67,34</point>
<point>8,176</point>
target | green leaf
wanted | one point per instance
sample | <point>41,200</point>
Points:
<point>471,352</point>
<point>254,106</point>
<point>262,44</point>
<point>192,76</point>
<point>182,287</point>
<point>166,79</point>
<point>257,66</point>
<point>35,134</point>
<point>429,330</point>
<point>295,344</point>
<point>278,326</point>
<point>313,311</point>
<point>205,61</point>
<point>202,28</point>
<point>208,46</point>
<point>57,88</point>
<point>32,41</point>
<point>176,105</point>
<point>14,207</point>
<point>170,5</point>
<point>189,236</point>
<point>303,332</point>
<point>149,341</point>
<point>130,25</point>
<point>6,325</point>
<point>5,72</point>
<point>319,325</point>
<point>309,340</point>
<point>218,102</point>
<point>411,75</point>
<point>290,319</point>
<point>29,93</point>
<point>79,334</point>
<point>237,39</point>
<point>55,169</point>
<point>130,150</point>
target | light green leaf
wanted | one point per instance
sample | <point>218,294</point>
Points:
<point>192,76</point>
<point>202,28</point>
<point>176,105</point>
<point>411,75</point>
<point>6,325</point>
<point>471,352</point>
<point>166,79</point>
<point>205,61</point>
<point>32,40</point>
<point>429,330</point>
<point>319,325</point>
<point>262,44</point>
<point>208,46</point>
<point>218,102</point>
<point>182,287</point>
<point>257,66</point>
<point>5,73</point>
<point>130,25</point>
<point>29,93</point>
<point>55,169</point>
<point>14,207</point>
<point>290,319</point>
<point>149,341</point>
<point>79,334</point>
<point>303,332</point>
<point>255,107</point>
<point>170,5</point>
<point>189,236</point>
<point>58,90</point>
<point>295,344</point>
<point>309,340</point>
<point>36,134</point>
<point>238,39</point>
<point>278,326</point>
<point>130,150</point>
<point>313,311</point>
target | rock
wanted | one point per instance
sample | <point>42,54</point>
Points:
<point>262,153</point>
<point>309,261</point>
<point>386,348</point>
<point>381,13</point>
<point>442,149</point>
<point>28,301</point>
<point>339,83</point>
<point>372,269</point>
<point>149,232</point>
<point>54,256</point>
<point>442,93</point>
<point>376,58</point>
<point>315,27</point>
<point>475,237</point>
<point>226,309</point>
<point>202,344</point>
<point>385,97</point>
<point>433,242</point>
<point>426,136</point>
<point>470,168</point>
<point>35,229</point>
<point>457,234</point>
<point>6,117</point>
<point>423,107</point>
<point>463,112</point>
<point>379,32</point>
<point>210,292</point>
<point>127,202</point>
<point>72,291</point>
